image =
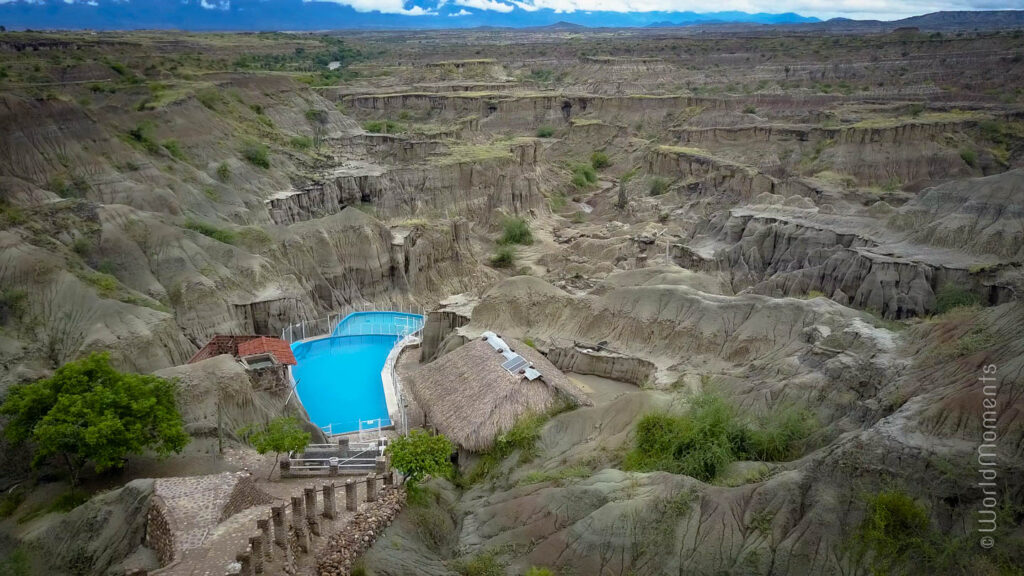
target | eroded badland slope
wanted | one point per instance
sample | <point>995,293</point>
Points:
<point>829,226</point>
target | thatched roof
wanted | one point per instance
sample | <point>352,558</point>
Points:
<point>471,399</point>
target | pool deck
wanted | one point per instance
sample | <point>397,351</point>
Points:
<point>390,380</point>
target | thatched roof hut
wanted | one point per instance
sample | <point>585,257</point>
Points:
<point>471,396</point>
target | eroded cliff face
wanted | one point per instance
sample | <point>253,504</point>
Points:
<point>449,184</point>
<point>878,260</point>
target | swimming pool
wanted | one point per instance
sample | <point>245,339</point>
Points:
<point>338,376</point>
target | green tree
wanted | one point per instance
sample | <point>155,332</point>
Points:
<point>282,435</point>
<point>89,412</point>
<point>420,454</point>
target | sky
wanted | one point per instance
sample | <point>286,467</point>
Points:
<point>493,9</point>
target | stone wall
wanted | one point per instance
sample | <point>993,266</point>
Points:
<point>159,535</point>
<point>270,378</point>
<point>245,495</point>
<point>347,545</point>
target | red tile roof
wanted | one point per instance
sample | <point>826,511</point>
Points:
<point>263,345</point>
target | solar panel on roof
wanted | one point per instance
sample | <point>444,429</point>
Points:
<point>532,374</point>
<point>513,365</point>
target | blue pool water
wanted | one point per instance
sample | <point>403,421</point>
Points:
<point>338,377</point>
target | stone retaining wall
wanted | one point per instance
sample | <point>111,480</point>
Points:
<point>347,545</point>
<point>159,536</point>
<point>245,495</point>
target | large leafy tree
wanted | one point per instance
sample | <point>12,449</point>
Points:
<point>281,435</point>
<point>419,454</point>
<point>90,412</point>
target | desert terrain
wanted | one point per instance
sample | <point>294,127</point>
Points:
<point>828,224</point>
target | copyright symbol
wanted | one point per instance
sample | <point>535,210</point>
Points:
<point>987,542</point>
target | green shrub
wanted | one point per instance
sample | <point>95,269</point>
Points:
<point>301,142</point>
<point>256,154</point>
<point>142,135</point>
<point>174,149</point>
<point>545,132</point>
<point>537,571</point>
<point>558,201</point>
<point>583,175</point>
<point>223,172</point>
<point>780,436</point>
<point>657,187</point>
<point>949,297</point>
<point>710,436</point>
<point>515,231</point>
<point>419,454</point>
<point>969,156</point>
<point>749,110</point>
<point>894,530</point>
<point>504,257</point>
<point>210,98</point>
<point>383,127</point>
<point>255,239</point>
<point>10,501</point>
<point>484,564</point>
<point>599,160</point>
<point>219,234</point>
<point>522,438</point>
<point>68,501</point>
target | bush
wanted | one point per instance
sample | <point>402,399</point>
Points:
<point>174,149</point>
<point>515,231</point>
<point>658,186</point>
<point>420,454</point>
<point>223,172</point>
<point>710,436</point>
<point>781,436</point>
<point>256,154</point>
<point>750,110</point>
<point>536,571</point>
<point>301,142</point>
<point>969,157</point>
<point>480,565</point>
<point>383,127</point>
<point>583,175</point>
<point>950,297</point>
<point>504,257</point>
<point>219,234</point>
<point>894,529</point>
<point>599,160</point>
<point>545,132</point>
<point>142,135</point>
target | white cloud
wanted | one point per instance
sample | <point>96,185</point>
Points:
<point>382,6</point>
<point>462,12</point>
<point>862,9</point>
<point>486,5</point>
<point>216,4</point>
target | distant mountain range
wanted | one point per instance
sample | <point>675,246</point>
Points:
<point>252,15</point>
<point>323,15</point>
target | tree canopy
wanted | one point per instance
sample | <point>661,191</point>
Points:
<point>90,412</point>
<point>419,454</point>
<point>281,435</point>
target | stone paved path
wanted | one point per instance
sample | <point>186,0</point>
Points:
<point>221,542</point>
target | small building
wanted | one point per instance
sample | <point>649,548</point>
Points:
<point>266,359</point>
<point>479,390</point>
